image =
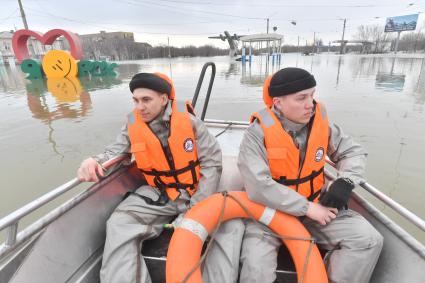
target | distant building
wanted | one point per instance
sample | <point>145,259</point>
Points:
<point>103,35</point>
<point>6,51</point>
<point>35,48</point>
<point>113,46</point>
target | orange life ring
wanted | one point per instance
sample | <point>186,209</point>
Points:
<point>200,221</point>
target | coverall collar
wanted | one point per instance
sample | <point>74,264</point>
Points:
<point>165,116</point>
<point>287,124</point>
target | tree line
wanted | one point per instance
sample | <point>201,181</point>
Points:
<point>118,49</point>
<point>380,41</point>
<point>373,37</point>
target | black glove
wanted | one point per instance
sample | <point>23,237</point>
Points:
<point>338,194</point>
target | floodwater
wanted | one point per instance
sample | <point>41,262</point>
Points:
<point>48,127</point>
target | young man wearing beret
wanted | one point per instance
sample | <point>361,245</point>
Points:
<point>181,162</point>
<point>281,160</point>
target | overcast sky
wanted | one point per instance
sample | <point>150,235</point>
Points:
<point>191,22</point>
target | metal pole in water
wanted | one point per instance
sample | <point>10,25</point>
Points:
<point>396,43</point>
<point>250,52</point>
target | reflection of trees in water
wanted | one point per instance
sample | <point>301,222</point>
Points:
<point>127,71</point>
<point>419,92</point>
<point>95,83</point>
<point>366,67</point>
<point>370,66</point>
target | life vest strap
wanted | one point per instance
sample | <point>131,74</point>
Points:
<point>160,184</point>
<point>315,195</point>
<point>161,201</point>
<point>292,182</point>
<point>171,173</point>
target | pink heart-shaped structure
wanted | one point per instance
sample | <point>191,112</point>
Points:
<point>20,38</point>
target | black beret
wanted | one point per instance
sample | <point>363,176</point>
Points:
<point>290,80</point>
<point>150,81</point>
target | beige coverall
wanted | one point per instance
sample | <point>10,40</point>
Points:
<point>354,245</point>
<point>135,221</point>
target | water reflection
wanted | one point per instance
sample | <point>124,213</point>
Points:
<point>66,91</point>
<point>10,79</point>
<point>389,80</point>
<point>340,60</point>
<point>232,70</point>
<point>95,83</point>
<point>255,74</point>
<point>419,92</point>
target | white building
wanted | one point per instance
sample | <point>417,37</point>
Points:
<point>35,48</point>
<point>6,51</point>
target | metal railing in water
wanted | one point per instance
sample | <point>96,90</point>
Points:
<point>10,222</point>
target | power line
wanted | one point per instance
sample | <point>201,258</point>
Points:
<point>283,5</point>
<point>2,20</point>
<point>47,14</point>
<point>179,10</point>
<point>149,24</point>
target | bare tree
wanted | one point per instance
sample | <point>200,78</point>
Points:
<point>374,34</point>
<point>363,33</point>
<point>413,41</point>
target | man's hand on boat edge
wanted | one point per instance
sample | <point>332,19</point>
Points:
<point>90,171</point>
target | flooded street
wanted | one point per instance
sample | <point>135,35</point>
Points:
<point>48,127</point>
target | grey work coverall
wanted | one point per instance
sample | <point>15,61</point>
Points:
<point>354,245</point>
<point>134,221</point>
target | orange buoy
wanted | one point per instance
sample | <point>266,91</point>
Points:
<point>186,244</point>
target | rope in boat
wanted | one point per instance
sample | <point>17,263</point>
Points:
<point>225,129</point>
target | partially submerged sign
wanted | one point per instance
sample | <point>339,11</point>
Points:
<point>57,63</point>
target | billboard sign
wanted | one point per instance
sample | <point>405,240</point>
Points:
<point>401,23</point>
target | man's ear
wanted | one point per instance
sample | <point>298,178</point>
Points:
<point>276,102</point>
<point>165,99</point>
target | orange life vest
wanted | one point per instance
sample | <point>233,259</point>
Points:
<point>172,168</point>
<point>284,157</point>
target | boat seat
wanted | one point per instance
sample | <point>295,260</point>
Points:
<point>231,179</point>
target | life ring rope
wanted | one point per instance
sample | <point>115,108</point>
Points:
<point>220,221</point>
<point>201,232</point>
